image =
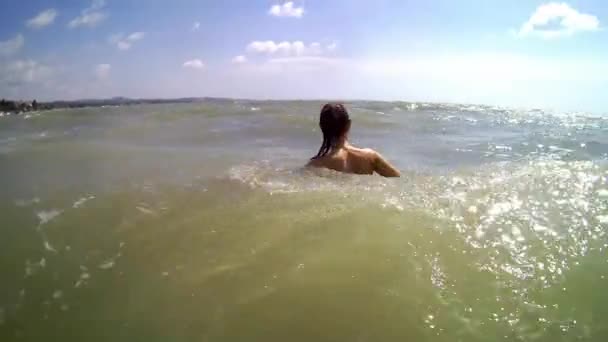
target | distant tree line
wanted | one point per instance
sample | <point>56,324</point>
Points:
<point>17,107</point>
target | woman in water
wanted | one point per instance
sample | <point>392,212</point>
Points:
<point>337,154</point>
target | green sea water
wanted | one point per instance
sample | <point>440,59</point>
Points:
<point>196,222</point>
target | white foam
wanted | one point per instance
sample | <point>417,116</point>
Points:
<point>500,208</point>
<point>81,201</point>
<point>145,210</point>
<point>393,202</point>
<point>46,216</point>
<point>517,234</point>
<point>49,247</point>
<point>107,265</point>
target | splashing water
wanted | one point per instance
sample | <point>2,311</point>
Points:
<point>197,222</point>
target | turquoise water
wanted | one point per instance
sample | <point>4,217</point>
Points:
<point>196,222</point>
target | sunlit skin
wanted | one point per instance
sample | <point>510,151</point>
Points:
<point>336,153</point>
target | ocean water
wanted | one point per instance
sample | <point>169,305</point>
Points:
<point>196,222</point>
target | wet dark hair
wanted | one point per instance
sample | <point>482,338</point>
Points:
<point>334,123</point>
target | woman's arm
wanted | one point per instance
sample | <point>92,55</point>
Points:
<point>384,168</point>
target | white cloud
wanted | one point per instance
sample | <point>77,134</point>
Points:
<point>90,16</point>
<point>194,64</point>
<point>20,72</point>
<point>553,20</point>
<point>123,42</point>
<point>313,49</point>
<point>196,26</point>
<point>239,59</point>
<point>295,48</point>
<point>88,19</point>
<point>121,45</point>
<point>332,47</point>
<point>102,71</point>
<point>11,46</point>
<point>135,36</point>
<point>43,19</point>
<point>286,10</point>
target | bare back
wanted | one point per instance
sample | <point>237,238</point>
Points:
<point>350,159</point>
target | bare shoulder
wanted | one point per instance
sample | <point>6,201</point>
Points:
<point>363,152</point>
<point>371,152</point>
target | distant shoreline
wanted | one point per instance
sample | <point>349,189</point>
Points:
<point>12,107</point>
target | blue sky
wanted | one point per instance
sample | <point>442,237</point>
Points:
<point>512,53</point>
